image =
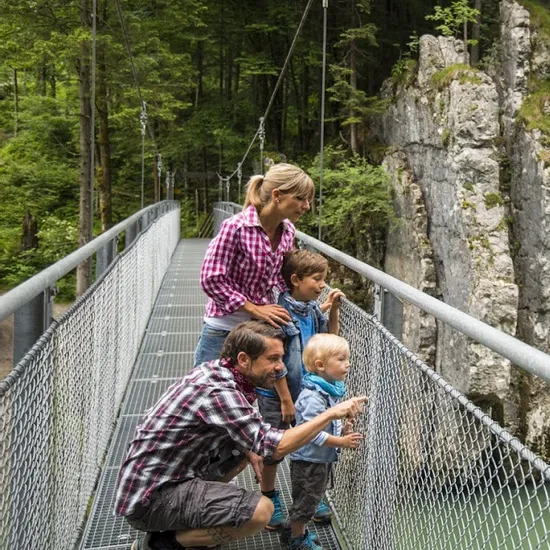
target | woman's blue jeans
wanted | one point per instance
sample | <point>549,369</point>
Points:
<point>210,344</point>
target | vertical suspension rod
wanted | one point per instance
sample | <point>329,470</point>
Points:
<point>322,132</point>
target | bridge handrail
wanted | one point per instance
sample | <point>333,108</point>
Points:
<point>23,293</point>
<point>521,354</point>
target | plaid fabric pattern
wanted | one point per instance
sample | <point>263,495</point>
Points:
<point>201,414</point>
<point>240,264</point>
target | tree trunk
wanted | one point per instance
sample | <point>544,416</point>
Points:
<point>15,103</point>
<point>29,239</point>
<point>83,271</point>
<point>478,4</point>
<point>198,91</point>
<point>465,26</point>
<point>53,81</point>
<point>105,208</point>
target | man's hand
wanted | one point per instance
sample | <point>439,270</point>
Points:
<point>348,409</point>
<point>287,411</point>
<point>351,441</point>
<point>257,463</point>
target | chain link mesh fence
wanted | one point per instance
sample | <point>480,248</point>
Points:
<point>435,472</point>
<point>59,405</point>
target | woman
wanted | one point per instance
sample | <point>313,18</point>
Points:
<point>242,265</point>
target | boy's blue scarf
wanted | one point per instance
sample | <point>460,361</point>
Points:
<point>334,389</point>
<point>300,308</point>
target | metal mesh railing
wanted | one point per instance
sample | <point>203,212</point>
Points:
<point>435,472</point>
<point>59,404</point>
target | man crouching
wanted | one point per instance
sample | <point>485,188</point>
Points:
<point>200,434</point>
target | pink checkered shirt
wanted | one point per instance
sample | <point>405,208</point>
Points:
<point>240,264</point>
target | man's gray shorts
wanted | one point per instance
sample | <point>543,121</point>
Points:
<point>270,409</point>
<point>195,504</point>
<point>309,482</point>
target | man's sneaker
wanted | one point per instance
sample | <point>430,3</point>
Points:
<point>305,542</point>
<point>323,514</point>
<point>278,518</point>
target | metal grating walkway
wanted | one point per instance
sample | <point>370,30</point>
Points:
<point>167,354</point>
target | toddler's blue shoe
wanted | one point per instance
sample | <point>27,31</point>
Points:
<point>278,518</point>
<point>308,541</point>
<point>323,514</point>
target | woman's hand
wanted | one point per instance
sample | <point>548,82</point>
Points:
<point>287,411</point>
<point>274,314</point>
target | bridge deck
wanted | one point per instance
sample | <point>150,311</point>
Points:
<point>166,354</point>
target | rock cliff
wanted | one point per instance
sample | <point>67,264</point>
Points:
<point>472,194</point>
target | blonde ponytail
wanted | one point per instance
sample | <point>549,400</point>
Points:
<point>286,177</point>
<point>253,196</point>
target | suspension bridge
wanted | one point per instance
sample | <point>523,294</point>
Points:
<point>435,471</point>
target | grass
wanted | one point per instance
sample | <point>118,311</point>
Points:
<point>462,73</point>
<point>532,110</point>
<point>540,16</point>
<point>492,200</point>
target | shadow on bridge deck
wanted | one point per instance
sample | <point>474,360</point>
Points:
<point>166,354</point>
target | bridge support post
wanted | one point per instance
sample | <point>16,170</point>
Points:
<point>131,233</point>
<point>30,322</point>
<point>389,310</point>
<point>105,256</point>
<point>382,436</point>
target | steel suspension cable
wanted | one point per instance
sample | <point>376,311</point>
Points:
<point>277,85</point>
<point>134,70</point>
<point>322,116</point>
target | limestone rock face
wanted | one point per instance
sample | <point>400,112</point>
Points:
<point>444,127</point>
<point>524,54</point>
<point>472,191</point>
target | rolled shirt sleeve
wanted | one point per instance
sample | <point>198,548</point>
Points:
<point>244,424</point>
<point>214,277</point>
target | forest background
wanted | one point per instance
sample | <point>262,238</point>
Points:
<point>206,70</point>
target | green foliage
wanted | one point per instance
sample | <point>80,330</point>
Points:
<point>357,202</point>
<point>468,185</point>
<point>445,137</point>
<point>452,19</point>
<point>404,71</point>
<point>540,16</point>
<point>462,73</point>
<point>492,200</point>
<point>534,110</point>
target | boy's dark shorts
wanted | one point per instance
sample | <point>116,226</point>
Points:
<point>270,409</point>
<point>309,482</point>
<point>195,504</point>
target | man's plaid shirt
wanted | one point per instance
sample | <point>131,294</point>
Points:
<point>196,417</point>
<point>240,264</point>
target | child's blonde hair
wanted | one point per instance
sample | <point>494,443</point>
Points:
<point>321,347</point>
<point>285,177</point>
